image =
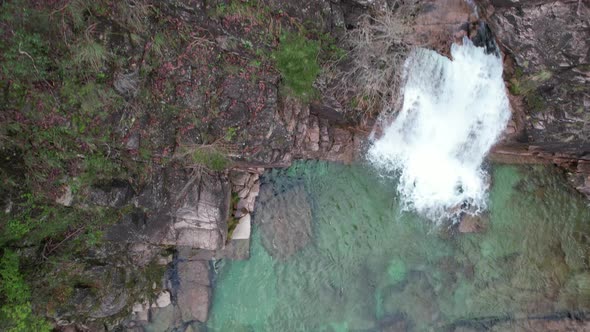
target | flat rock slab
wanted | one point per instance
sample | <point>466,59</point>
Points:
<point>180,208</point>
<point>193,296</point>
<point>233,250</point>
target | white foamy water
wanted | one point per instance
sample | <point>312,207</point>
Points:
<point>452,114</point>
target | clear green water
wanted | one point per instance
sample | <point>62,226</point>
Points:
<point>370,267</point>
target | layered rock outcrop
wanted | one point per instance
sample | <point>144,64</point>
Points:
<point>547,62</point>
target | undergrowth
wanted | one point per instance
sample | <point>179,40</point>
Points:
<point>16,314</point>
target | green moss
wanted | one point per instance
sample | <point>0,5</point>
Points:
<point>16,312</point>
<point>535,102</point>
<point>522,84</point>
<point>297,60</point>
<point>527,86</point>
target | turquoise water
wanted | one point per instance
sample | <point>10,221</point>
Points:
<point>364,265</point>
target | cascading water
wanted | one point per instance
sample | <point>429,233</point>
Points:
<point>452,114</point>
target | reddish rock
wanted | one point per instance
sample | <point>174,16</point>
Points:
<point>439,23</point>
<point>472,224</point>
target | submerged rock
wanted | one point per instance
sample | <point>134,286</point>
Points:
<point>284,221</point>
<point>473,224</point>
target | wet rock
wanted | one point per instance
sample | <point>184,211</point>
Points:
<point>576,291</point>
<point>394,323</point>
<point>473,224</point>
<point>417,296</point>
<point>319,137</point>
<point>285,222</point>
<point>192,328</point>
<point>313,135</point>
<point>194,303</point>
<point>236,250</point>
<point>247,186</point>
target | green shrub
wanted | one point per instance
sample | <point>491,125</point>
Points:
<point>297,60</point>
<point>16,312</point>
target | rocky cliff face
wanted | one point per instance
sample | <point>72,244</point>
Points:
<point>549,42</point>
<point>547,49</point>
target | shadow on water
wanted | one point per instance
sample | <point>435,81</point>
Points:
<point>331,250</point>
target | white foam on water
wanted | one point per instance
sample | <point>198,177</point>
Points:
<point>452,114</point>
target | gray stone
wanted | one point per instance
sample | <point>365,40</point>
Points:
<point>141,253</point>
<point>193,294</point>
<point>193,272</point>
<point>114,194</point>
<point>183,209</point>
<point>163,319</point>
<point>193,302</point>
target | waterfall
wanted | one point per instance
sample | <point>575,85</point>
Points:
<point>452,114</point>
